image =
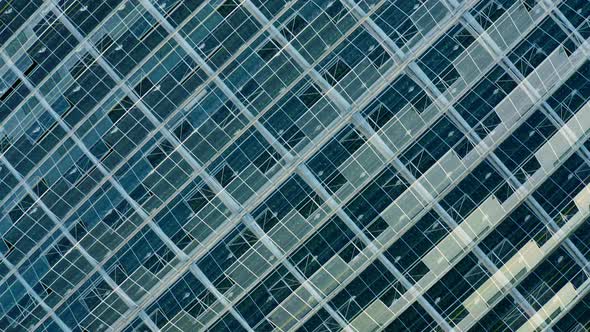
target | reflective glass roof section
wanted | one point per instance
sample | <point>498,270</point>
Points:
<point>276,165</point>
